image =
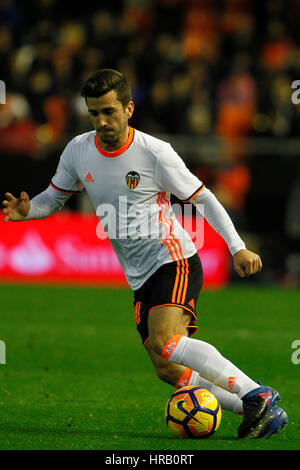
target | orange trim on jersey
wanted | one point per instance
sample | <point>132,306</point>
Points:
<point>185,378</point>
<point>121,150</point>
<point>170,240</point>
<point>170,346</point>
<point>195,194</point>
<point>167,202</point>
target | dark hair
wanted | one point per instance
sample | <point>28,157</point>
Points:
<point>105,80</point>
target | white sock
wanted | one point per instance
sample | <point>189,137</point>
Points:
<point>209,363</point>
<point>228,401</point>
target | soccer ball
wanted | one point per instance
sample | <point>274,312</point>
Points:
<point>193,412</point>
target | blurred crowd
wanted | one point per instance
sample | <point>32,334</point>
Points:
<point>197,68</point>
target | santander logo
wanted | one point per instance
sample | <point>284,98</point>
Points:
<point>64,254</point>
<point>31,255</point>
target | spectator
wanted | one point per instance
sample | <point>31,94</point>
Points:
<point>17,129</point>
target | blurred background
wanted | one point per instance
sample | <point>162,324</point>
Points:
<point>214,78</point>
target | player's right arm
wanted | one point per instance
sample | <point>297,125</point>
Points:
<point>61,188</point>
<point>41,206</point>
<point>16,209</point>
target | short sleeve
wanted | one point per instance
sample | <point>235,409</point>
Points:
<point>174,177</point>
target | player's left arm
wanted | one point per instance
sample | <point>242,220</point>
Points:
<point>246,263</point>
<point>173,176</point>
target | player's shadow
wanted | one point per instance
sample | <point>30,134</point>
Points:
<point>169,437</point>
<point>5,429</point>
<point>62,436</point>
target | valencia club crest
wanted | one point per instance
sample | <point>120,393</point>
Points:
<point>132,179</point>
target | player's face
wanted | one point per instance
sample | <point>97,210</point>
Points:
<point>110,119</point>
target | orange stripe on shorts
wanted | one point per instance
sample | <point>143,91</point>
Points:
<point>186,280</point>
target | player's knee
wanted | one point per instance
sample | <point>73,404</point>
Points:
<point>158,342</point>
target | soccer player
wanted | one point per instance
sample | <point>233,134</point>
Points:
<point>131,175</point>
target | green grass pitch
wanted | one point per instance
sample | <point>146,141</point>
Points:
<point>77,377</point>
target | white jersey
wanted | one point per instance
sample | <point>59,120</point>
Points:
<point>130,190</point>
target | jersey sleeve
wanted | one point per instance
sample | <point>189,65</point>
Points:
<point>46,203</point>
<point>65,179</point>
<point>62,186</point>
<point>172,175</point>
<point>215,214</point>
